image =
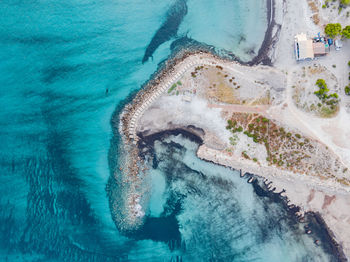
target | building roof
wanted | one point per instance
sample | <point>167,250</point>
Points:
<point>319,48</point>
<point>304,48</point>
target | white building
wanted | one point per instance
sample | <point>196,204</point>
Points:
<point>303,47</point>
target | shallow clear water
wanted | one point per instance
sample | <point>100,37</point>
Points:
<point>65,66</point>
<point>219,215</point>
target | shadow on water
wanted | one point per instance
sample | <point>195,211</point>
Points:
<point>168,29</point>
<point>284,221</point>
<point>164,228</point>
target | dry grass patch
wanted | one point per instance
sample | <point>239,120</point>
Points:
<point>289,150</point>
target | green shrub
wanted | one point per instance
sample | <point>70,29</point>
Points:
<point>322,92</point>
<point>335,95</point>
<point>347,90</point>
<point>321,83</point>
<point>333,30</point>
<point>346,32</point>
<point>171,88</point>
<point>233,141</point>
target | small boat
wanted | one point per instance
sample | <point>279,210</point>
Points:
<point>251,180</point>
<point>241,173</point>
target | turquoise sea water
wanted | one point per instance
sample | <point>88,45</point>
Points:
<point>65,67</point>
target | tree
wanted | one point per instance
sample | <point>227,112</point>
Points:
<point>333,30</point>
<point>346,31</point>
<point>321,83</point>
<point>347,90</point>
<point>322,92</point>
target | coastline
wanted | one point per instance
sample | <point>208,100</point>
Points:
<point>168,66</point>
<point>264,53</point>
<point>144,96</point>
<point>162,79</point>
<point>262,187</point>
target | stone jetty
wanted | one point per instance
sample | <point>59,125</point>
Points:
<point>151,95</point>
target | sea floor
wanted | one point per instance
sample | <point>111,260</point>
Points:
<point>65,68</point>
<point>203,211</point>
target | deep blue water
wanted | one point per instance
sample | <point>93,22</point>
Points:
<point>65,67</point>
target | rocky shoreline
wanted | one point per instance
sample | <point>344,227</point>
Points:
<point>314,224</point>
<point>167,68</point>
<point>132,168</point>
<point>133,165</point>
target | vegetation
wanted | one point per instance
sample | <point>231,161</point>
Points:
<point>346,31</point>
<point>275,139</point>
<point>285,149</point>
<point>342,4</point>
<point>323,95</point>
<point>322,92</point>
<point>171,88</point>
<point>347,88</point>
<point>245,155</point>
<point>234,140</point>
<point>196,71</point>
<point>333,30</point>
<point>233,127</point>
<point>329,101</point>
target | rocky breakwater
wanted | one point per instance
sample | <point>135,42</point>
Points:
<point>129,200</point>
<point>148,97</point>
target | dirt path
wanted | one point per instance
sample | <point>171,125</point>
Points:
<point>262,109</point>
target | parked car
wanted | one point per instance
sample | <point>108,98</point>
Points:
<point>338,44</point>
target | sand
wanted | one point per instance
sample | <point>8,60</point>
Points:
<point>155,110</point>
